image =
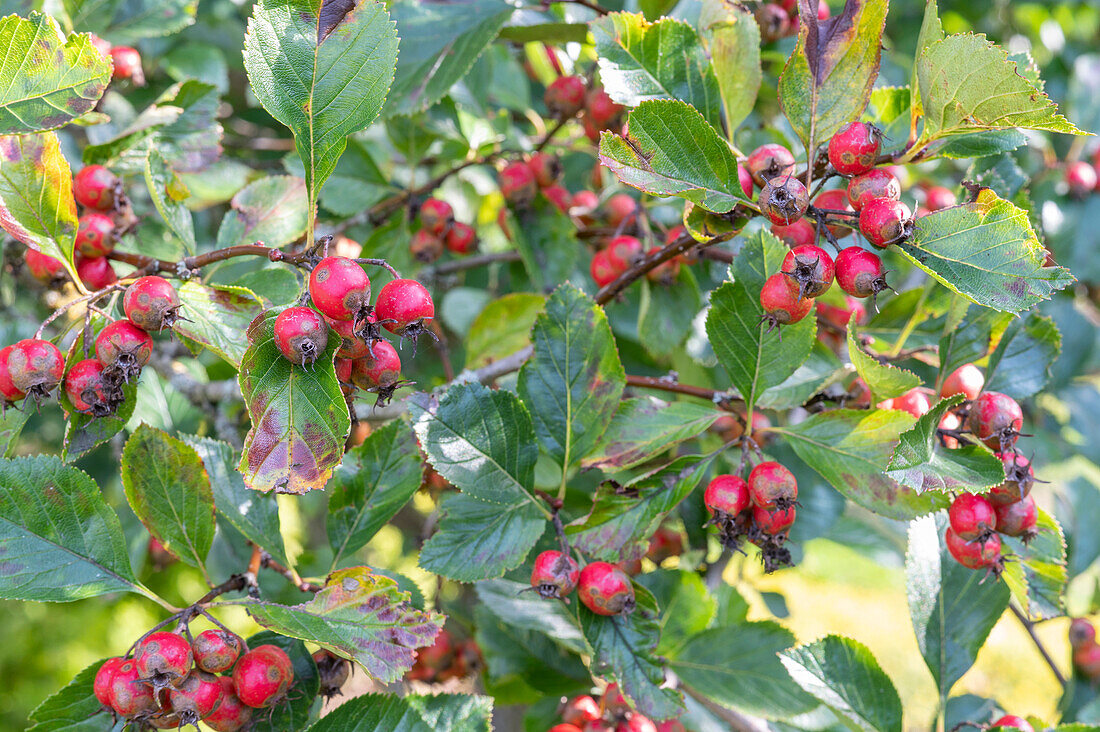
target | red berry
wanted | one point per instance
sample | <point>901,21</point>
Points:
<point>216,650</point>
<point>43,267</point>
<point>876,183</point>
<point>795,234</point>
<point>773,522</point>
<point>558,196</point>
<point>784,199</point>
<point>130,696</point>
<point>767,162</point>
<point>780,306</point>
<point>194,699</point>
<point>835,200</point>
<point>854,147</point>
<point>518,184</point>
<point>674,725</point>
<point>35,366</point>
<point>425,246</point>
<point>622,251</point>
<point>605,589</point>
<point>613,701</point>
<point>461,238</point>
<point>123,345</point>
<point>603,269</point>
<point>406,304</point>
<point>95,272</point>
<point>151,303</point>
<point>1019,475</point>
<point>636,723</point>
<point>859,272</point>
<point>809,270</point>
<point>546,167</point>
<point>231,714</point>
<point>7,387</point>
<point>773,21</point>
<point>301,335</point>
<point>1017,519</point>
<point>840,316</point>
<point>972,516</point>
<point>439,654</point>
<point>554,574</point>
<point>565,728</point>
<point>601,110</point>
<point>585,202</point>
<point>1081,178</point>
<point>580,710</point>
<point>620,210</point>
<point>378,370</point>
<point>436,215</point>
<point>1087,660</point>
<point>86,389</point>
<point>984,553</point>
<point>565,96</point>
<point>995,419</point>
<point>351,345</point>
<point>938,197</point>
<point>666,272</point>
<point>772,486</point>
<point>262,676</point>
<point>344,368</point>
<point>163,658</point>
<point>744,177</point>
<point>127,62</point>
<point>1011,720</point>
<point>885,221</point>
<point>966,379</point>
<point>96,187</point>
<point>1081,633</point>
<point>339,288</point>
<point>95,234</point>
<point>917,402</point>
<point>104,678</point>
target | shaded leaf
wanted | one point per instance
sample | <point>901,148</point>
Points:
<point>820,370</point>
<point>1037,577</point>
<point>512,604</point>
<point>732,36</point>
<point>526,658</point>
<point>547,241</point>
<point>1020,365</point>
<point>168,194</point>
<point>969,341</point>
<point>667,312</point>
<point>686,606</point>
<point>643,428</point>
<point>884,380</point>
<point>74,708</point>
<point>391,713</point>
<point>272,211</point>
<point>11,426</point>
<point>216,316</point>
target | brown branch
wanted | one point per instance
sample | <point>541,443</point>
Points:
<point>152,264</point>
<point>1030,628</point>
<point>290,574</point>
<point>459,265</point>
<point>682,244</point>
<point>666,383</point>
<point>587,4</point>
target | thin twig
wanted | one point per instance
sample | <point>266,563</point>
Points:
<point>664,383</point>
<point>459,265</point>
<point>1029,627</point>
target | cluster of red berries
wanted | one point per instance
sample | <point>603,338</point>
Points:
<point>522,181</point>
<point>341,292</point>
<point>33,367</point>
<point>1086,651</point>
<point>125,60</point>
<point>780,19</point>
<point>611,713</point>
<point>568,96</point>
<point>446,659</point>
<point>602,587</point>
<point>439,231</point>
<point>761,509</point>
<point>169,681</point>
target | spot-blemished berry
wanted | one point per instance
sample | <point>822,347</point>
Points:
<point>351,345</point>
<point>875,183</point>
<point>403,306</point>
<point>854,147</point>
<point>1017,519</point>
<point>769,161</point>
<point>780,306</point>
<point>96,187</point>
<point>163,659</point>
<point>798,233</point>
<point>995,419</point>
<point>339,288</point>
<point>104,678</point>
<point>565,96</point>
<point>435,215</point>
<point>95,234</point>
<point>885,221</point>
<point>601,110</point>
<point>262,676</point>
<point>580,710</point>
<point>87,390</point>
<point>151,303</point>
<point>301,335</point>
<point>554,575</point>
<point>35,367</point>
<point>606,589</point>
<point>1011,720</point>
<point>966,380</point>
<point>231,714</point>
<point>517,184</point>
<point>546,167</point>
<point>460,239</point>
<point>130,695</point>
<point>378,369</point>
<point>809,270</point>
<point>774,522</point>
<point>984,553</point>
<point>623,251</point>
<point>784,199</point>
<point>195,698</point>
<point>425,246</point>
<point>1019,477</point>
<point>216,650</point>
<point>613,702</point>
<point>860,273</point>
<point>124,346</point>
<point>333,670</point>
<point>726,495</point>
<point>972,516</point>
<point>8,389</point>
<point>772,486</point>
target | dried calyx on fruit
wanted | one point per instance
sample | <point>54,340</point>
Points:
<point>860,274</point>
<point>554,575</point>
<point>333,670</point>
<point>402,307</point>
<point>810,269</point>
<point>784,199</point>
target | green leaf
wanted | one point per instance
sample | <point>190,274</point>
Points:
<point>358,615</point>
<point>850,448</point>
<point>979,144</point>
<point>479,540</point>
<point>547,242</point>
<point>134,20</point>
<point>884,380</point>
<point>624,517</point>
<point>439,44</point>
<point>1020,366</point>
<point>375,481</point>
<point>73,708</point>
<point>820,370</point>
<point>168,194</point>
<point>738,668</point>
<point>686,606</point>
<point>11,426</point>
<point>390,713</point>
<point>59,540</point>
<point>255,516</point>
<point>643,428</point>
<point>502,328</point>
<point>36,195</point>
<point>528,611</point>
<point>755,359</point>
<point>573,381</point>
<point>968,83</point>
<point>299,417</point>
<point>732,36</point>
<point>921,463</point>
<point>51,80</point>
<point>952,609</point>
<point>672,151</point>
<point>827,80</point>
<point>273,211</point>
<point>667,312</point>
<point>1037,573</point>
<point>216,316</point>
<point>168,488</point>
<point>931,30</point>
<point>662,60</point>
<point>322,69</point>
<point>969,341</point>
<point>844,675</point>
<point>987,252</point>
<point>294,711</point>
<point>623,647</point>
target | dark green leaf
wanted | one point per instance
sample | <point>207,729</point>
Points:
<point>169,490</point>
<point>391,713</point>
<point>547,242</point>
<point>74,708</point>
<point>375,481</point>
<point>293,712</point>
<point>969,341</point>
<point>667,312</point>
<point>884,381</point>
<point>1037,577</point>
<point>820,370</point>
<point>732,36</point>
<point>11,426</point>
<point>1020,366</point>
<point>513,604</point>
<point>216,317</point>
<point>59,540</point>
<point>686,606</point>
<point>644,428</point>
<point>528,657</point>
<point>271,210</point>
<point>980,144</point>
<point>134,20</point>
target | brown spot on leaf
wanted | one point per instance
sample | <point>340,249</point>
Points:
<point>333,13</point>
